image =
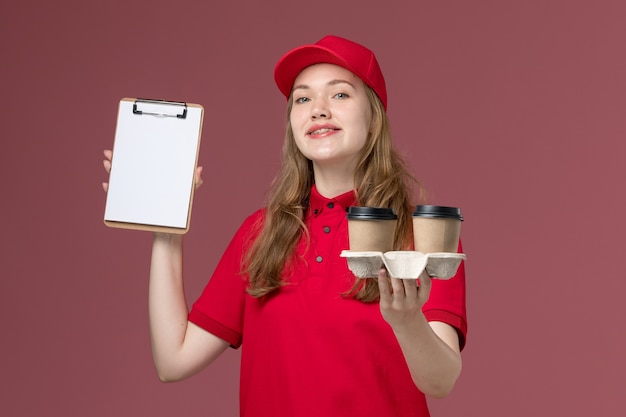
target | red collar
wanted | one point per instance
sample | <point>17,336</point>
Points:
<point>318,202</point>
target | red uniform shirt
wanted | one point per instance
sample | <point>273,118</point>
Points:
<point>307,350</point>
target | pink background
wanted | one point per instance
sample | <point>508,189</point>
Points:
<point>512,110</point>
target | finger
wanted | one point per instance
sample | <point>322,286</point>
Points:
<point>397,286</point>
<point>384,285</point>
<point>410,288</point>
<point>425,284</point>
<point>425,281</point>
<point>198,181</point>
<point>108,155</point>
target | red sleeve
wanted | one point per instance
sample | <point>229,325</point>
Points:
<point>221,306</point>
<point>447,302</point>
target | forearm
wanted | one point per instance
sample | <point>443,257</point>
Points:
<point>434,365</point>
<point>167,305</point>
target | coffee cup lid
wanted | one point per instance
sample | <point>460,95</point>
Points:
<point>438,212</point>
<point>371,213</point>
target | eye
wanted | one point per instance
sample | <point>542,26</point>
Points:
<point>341,96</point>
<point>301,100</point>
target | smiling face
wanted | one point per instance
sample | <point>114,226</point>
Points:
<point>330,116</point>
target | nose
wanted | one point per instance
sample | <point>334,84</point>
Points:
<point>320,110</point>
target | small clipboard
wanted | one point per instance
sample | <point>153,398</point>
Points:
<point>155,155</point>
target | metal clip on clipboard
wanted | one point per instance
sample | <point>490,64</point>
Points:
<point>165,108</point>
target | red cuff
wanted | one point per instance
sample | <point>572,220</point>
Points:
<point>452,319</point>
<point>216,328</point>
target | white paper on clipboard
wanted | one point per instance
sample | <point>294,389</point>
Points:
<point>155,155</point>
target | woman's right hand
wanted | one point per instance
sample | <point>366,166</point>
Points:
<point>108,156</point>
<point>180,348</point>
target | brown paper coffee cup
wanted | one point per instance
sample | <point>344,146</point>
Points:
<point>436,228</point>
<point>371,229</point>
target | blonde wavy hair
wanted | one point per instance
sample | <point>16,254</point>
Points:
<point>381,180</point>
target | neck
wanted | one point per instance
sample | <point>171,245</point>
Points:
<point>332,181</point>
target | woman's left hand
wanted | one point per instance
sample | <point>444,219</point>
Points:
<point>431,350</point>
<point>401,300</point>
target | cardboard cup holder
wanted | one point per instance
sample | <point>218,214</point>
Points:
<point>403,264</point>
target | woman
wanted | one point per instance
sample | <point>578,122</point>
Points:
<point>316,340</point>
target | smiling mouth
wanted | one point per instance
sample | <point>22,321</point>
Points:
<point>321,131</point>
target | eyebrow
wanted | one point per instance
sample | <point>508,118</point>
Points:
<point>330,83</point>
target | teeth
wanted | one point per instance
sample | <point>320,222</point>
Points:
<point>320,131</point>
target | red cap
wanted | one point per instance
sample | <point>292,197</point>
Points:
<point>331,50</point>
